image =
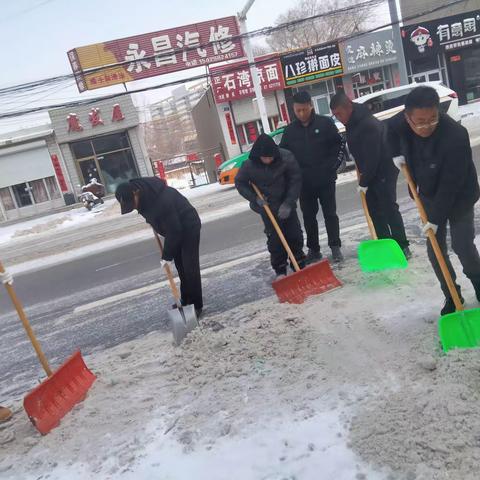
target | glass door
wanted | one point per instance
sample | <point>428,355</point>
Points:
<point>90,169</point>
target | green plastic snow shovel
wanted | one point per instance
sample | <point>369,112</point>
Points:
<point>460,329</point>
<point>378,254</point>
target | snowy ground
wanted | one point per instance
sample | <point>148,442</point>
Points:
<point>349,385</point>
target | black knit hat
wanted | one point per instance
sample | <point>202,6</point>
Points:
<point>124,194</point>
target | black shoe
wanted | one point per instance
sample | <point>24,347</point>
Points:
<point>313,256</point>
<point>199,312</point>
<point>407,253</point>
<point>449,306</point>
<point>337,255</point>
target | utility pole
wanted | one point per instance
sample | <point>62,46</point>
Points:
<point>397,40</point>
<point>242,19</point>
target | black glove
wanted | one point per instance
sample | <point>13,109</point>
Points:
<point>261,202</point>
<point>284,211</point>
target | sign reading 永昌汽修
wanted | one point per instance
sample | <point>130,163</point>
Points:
<point>143,56</point>
<point>445,34</point>
<point>369,51</point>
<point>315,63</point>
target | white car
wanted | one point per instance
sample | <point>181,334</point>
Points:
<point>386,103</point>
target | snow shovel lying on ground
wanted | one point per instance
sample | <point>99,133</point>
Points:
<point>183,319</point>
<point>378,254</point>
<point>298,286</point>
<point>48,403</point>
<point>460,329</point>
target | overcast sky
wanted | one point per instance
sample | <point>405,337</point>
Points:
<point>36,34</point>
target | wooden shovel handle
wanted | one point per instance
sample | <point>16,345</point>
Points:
<point>433,240</point>
<point>26,324</point>
<point>370,224</point>
<point>168,270</point>
<point>277,229</point>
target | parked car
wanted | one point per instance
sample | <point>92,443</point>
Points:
<point>384,104</point>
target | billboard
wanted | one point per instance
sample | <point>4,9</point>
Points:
<point>233,81</point>
<point>156,53</point>
<point>368,51</point>
<point>443,35</point>
<point>312,64</point>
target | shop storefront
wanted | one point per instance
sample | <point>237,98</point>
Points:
<point>31,180</point>
<point>447,49</point>
<point>102,141</point>
<point>318,70</point>
<point>370,63</point>
<point>236,107</point>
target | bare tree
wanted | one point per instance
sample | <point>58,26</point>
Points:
<point>320,30</point>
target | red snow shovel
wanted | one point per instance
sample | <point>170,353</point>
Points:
<point>48,403</point>
<point>298,286</point>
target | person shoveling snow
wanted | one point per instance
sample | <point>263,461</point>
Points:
<point>171,215</point>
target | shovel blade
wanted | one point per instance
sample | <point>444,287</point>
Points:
<point>378,255</point>
<point>182,320</point>
<point>460,330</point>
<point>312,280</point>
<point>48,403</point>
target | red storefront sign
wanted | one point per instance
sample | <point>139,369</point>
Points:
<point>231,131</point>
<point>156,53</point>
<point>218,159</point>
<point>160,169</point>
<point>59,173</point>
<point>233,81</point>
<point>192,157</point>
<point>94,118</point>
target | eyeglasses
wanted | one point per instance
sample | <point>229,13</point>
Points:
<point>423,126</point>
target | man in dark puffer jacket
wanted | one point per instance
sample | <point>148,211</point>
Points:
<point>172,216</point>
<point>277,175</point>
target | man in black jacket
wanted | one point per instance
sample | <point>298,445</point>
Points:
<point>172,216</point>
<point>367,142</point>
<point>315,142</point>
<point>437,151</point>
<point>275,172</point>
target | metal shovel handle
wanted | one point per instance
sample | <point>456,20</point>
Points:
<point>277,229</point>
<point>433,240</point>
<point>26,324</point>
<point>168,270</point>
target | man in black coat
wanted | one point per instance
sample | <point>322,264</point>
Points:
<point>172,216</point>
<point>315,142</point>
<point>437,151</point>
<point>275,172</point>
<point>368,143</point>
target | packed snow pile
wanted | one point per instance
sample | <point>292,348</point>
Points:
<point>350,385</point>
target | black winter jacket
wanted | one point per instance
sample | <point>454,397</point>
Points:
<point>279,182</point>
<point>367,142</point>
<point>168,212</point>
<point>441,165</point>
<point>316,148</point>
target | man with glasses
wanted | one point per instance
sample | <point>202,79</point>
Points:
<point>367,142</point>
<point>437,151</point>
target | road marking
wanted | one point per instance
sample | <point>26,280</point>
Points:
<point>107,267</point>
<point>215,268</point>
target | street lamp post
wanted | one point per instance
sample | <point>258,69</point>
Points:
<point>242,19</point>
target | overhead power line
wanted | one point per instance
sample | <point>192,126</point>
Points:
<point>227,68</point>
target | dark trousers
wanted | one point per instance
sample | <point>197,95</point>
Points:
<point>383,207</point>
<point>187,261</point>
<point>309,200</point>
<point>462,233</point>
<point>292,231</point>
